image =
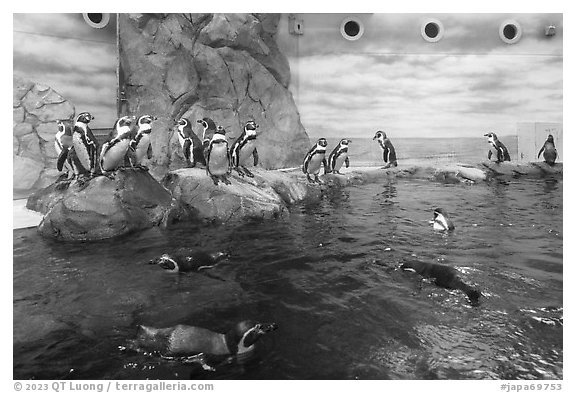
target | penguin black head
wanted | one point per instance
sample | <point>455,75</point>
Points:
<point>244,335</point>
<point>166,262</point>
<point>379,135</point>
<point>84,117</point>
<point>146,119</point>
<point>65,127</point>
<point>322,142</point>
<point>345,142</point>
<point>207,123</point>
<point>124,121</point>
<point>251,125</point>
<point>442,221</point>
<point>220,130</point>
<point>491,137</point>
<point>183,123</point>
<point>550,139</point>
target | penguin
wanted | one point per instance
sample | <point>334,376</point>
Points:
<point>550,153</point>
<point>62,144</point>
<point>140,145</point>
<point>186,340</point>
<point>497,147</point>
<point>339,156</point>
<point>444,276</point>
<point>187,260</point>
<point>388,151</point>
<point>441,221</point>
<point>115,152</point>
<point>314,159</point>
<point>218,157</point>
<point>243,148</point>
<point>190,143</point>
<point>209,130</point>
<point>85,144</point>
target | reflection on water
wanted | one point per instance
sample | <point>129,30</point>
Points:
<point>328,276</point>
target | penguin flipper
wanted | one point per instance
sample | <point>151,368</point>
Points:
<point>541,150</point>
<point>489,154</point>
<point>149,152</point>
<point>255,154</point>
<point>347,162</point>
<point>62,158</point>
<point>186,148</point>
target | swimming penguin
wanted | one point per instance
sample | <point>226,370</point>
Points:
<point>140,145</point>
<point>85,144</point>
<point>62,144</point>
<point>190,143</point>
<point>441,221</point>
<point>218,157</point>
<point>185,340</point>
<point>339,156</point>
<point>314,159</point>
<point>550,153</point>
<point>243,148</point>
<point>388,151</point>
<point>497,147</point>
<point>187,260</point>
<point>115,152</point>
<point>444,276</point>
<point>209,130</point>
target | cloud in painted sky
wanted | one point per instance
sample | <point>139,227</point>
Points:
<point>469,82</point>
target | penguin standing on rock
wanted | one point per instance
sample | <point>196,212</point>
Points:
<point>115,152</point>
<point>209,130</point>
<point>497,148</point>
<point>85,145</point>
<point>218,157</point>
<point>140,145</point>
<point>243,148</point>
<point>62,144</point>
<point>339,156</point>
<point>388,151</point>
<point>190,143</point>
<point>314,159</point>
<point>550,153</point>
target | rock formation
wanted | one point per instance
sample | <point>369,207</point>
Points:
<point>36,108</point>
<point>223,66</point>
<point>104,208</point>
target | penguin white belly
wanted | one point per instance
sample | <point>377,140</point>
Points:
<point>81,151</point>
<point>246,153</point>
<point>339,161</point>
<point>218,164</point>
<point>142,148</point>
<point>114,156</point>
<point>315,164</point>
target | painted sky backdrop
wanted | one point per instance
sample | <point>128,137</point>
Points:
<point>468,83</point>
<point>76,60</point>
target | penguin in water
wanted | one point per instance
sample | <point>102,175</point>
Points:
<point>388,151</point>
<point>186,340</point>
<point>444,276</point>
<point>339,156</point>
<point>497,147</point>
<point>314,159</point>
<point>550,153</point>
<point>441,221</point>
<point>115,152</point>
<point>187,260</point>
<point>209,130</point>
<point>190,143</point>
<point>140,145</point>
<point>218,157</point>
<point>243,148</point>
<point>85,145</point>
<point>62,144</point>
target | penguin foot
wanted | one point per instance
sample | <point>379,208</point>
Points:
<point>310,180</point>
<point>240,173</point>
<point>225,180</point>
<point>215,180</point>
<point>247,172</point>
<point>317,180</point>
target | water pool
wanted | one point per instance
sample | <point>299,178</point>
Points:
<point>328,275</point>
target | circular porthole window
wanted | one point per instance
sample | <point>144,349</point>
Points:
<point>97,21</point>
<point>432,30</point>
<point>351,29</point>
<point>510,31</point>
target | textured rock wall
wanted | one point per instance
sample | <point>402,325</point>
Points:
<point>224,66</point>
<point>36,108</point>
